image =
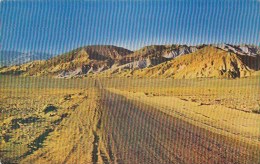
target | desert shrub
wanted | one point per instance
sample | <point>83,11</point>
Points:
<point>17,122</point>
<point>50,108</point>
<point>257,111</point>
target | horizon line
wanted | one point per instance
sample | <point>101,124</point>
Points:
<point>181,44</point>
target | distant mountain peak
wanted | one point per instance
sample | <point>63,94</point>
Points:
<point>9,58</point>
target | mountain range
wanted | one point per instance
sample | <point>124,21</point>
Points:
<point>170,61</point>
<point>9,58</point>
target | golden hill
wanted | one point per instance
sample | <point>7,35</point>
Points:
<point>206,62</point>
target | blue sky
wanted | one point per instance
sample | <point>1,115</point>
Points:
<point>59,26</point>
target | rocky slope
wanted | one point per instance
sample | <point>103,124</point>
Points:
<point>206,62</point>
<point>175,61</point>
<point>158,53</point>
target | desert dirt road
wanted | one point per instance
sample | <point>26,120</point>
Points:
<point>137,133</point>
<point>95,125</point>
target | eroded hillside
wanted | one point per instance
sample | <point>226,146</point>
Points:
<point>207,62</point>
<point>171,61</point>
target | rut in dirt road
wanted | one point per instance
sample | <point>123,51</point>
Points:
<point>96,141</point>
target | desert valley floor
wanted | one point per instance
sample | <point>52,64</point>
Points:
<point>129,120</point>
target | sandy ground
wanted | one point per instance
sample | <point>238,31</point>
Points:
<point>67,121</point>
<point>137,132</point>
<point>216,118</point>
<point>227,107</point>
<point>72,140</point>
<point>31,133</point>
<point>238,94</point>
